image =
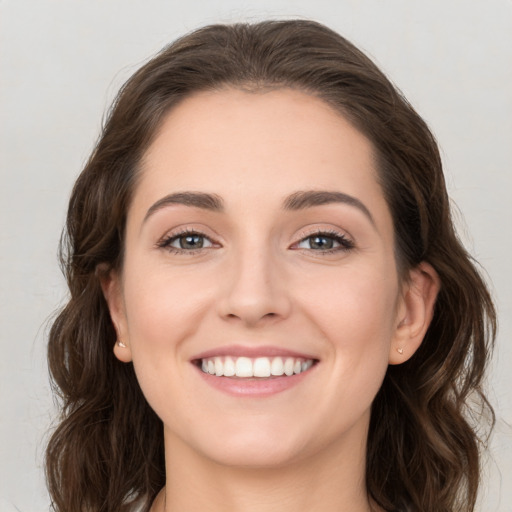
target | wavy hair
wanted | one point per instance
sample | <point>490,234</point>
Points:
<point>423,446</point>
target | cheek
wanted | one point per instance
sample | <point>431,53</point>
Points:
<point>357,317</point>
<point>165,306</point>
<point>161,313</point>
<point>355,303</point>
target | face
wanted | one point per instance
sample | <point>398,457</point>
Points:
<point>259,298</point>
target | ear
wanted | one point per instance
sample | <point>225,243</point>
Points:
<point>415,312</point>
<point>111,285</point>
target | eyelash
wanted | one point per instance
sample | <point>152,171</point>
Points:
<point>345,244</point>
<point>166,242</point>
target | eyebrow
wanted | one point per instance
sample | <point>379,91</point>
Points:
<point>202,200</point>
<point>297,201</point>
<point>309,198</point>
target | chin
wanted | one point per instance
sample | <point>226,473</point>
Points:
<point>256,456</point>
<point>256,447</point>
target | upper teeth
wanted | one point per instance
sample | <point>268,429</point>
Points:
<point>258,367</point>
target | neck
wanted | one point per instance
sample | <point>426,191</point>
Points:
<point>333,481</point>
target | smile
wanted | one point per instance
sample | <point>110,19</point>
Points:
<point>259,367</point>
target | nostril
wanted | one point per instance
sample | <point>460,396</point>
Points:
<point>266,315</point>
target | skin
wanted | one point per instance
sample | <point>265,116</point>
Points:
<point>258,280</point>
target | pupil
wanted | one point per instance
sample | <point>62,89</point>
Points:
<point>191,242</point>
<point>321,242</point>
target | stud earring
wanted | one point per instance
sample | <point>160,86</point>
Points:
<point>400,350</point>
<point>121,344</point>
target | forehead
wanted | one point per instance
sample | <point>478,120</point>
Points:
<point>257,146</point>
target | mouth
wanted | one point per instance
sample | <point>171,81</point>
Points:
<point>253,371</point>
<point>254,368</point>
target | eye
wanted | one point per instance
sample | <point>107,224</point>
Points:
<point>187,241</point>
<point>325,242</point>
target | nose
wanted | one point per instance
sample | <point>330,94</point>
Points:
<point>254,289</point>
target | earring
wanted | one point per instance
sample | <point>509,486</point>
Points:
<point>121,344</point>
<point>400,350</point>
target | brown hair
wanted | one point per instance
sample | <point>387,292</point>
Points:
<point>423,447</point>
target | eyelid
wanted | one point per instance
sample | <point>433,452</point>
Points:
<point>345,241</point>
<point>173,239</point>
<point>165,241</point>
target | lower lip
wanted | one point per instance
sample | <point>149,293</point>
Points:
<point>254,387</point>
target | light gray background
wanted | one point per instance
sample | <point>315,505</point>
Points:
<point>61,62</point>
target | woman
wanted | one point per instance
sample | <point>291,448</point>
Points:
<point>269,306</point>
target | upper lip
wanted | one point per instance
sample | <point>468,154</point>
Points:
<point>252,352</point>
